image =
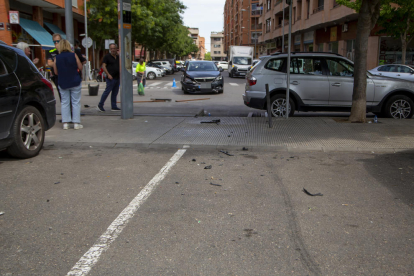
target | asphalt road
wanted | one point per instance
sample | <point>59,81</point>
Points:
<point>247,215</point>
<point>228,104</point>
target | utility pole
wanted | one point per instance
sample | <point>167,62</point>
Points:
<point>283,28</point>
<point>288,59</point>
<point>86,38</point>
<point>69,22</point>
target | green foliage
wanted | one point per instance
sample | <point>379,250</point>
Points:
<point>156,24</point>
<point>398,21</point>
<point>207,56</point>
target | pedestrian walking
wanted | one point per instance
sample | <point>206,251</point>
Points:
<point>51,56</point>
<point>67,65</point>
<point>110,65</point>
<point>141,73</point>
<point>26,49</point>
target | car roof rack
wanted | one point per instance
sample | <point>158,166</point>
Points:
<point>293,53</point>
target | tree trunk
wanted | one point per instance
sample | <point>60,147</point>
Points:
<point>368,16</point>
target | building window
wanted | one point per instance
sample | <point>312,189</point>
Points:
<point>75,3</point>
<point>269,5</point>
<point>217,39</point>
<point>268,25</point>
<point>217,45</point>
<point>333,47</point>
<point>350,49</point>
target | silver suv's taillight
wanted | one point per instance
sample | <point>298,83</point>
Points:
<point>252,81</point>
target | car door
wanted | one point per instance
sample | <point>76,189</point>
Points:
<point>309,81</point>
<point>405,73</point>
<point>341,83</point>
<point>386,70</point>
<point>9,95</point>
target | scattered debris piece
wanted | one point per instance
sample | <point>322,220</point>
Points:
<point>1,213</point>
<point>193,160</point>
<point>208,167</point>
<point>215,184</point>
<point>203,163</point>
<point>226,153</point>
<point>181,101</point>
<point>344,204</point>
<point>165,100</point>
<point>86,106</point>
<point>47,200</point>
<point>244,148</point>
<point>57,182</point>
<point>306,192</point>
<point>177,182</point>
<point>50,228</point>
<point>211,122</point>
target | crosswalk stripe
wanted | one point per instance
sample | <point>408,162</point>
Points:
<point>155,83</point>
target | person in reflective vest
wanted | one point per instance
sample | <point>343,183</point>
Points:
<point>141,72</point>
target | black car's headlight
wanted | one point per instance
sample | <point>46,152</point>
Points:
<point>218,78</point>
<point>188,80</point>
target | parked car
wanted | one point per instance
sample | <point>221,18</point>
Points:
<point>165,64</point>
<point>180,64</point>
<point>163,71</point>
<point>201,77</point>
<point>27,104</point>
<point>223,65</point>
<point>151,72</point>
<point>398,71</point>
<point>323,81</point>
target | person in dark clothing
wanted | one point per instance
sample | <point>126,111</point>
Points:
<point>110,65</point>
<point>50,57</point>
<point>78,52</point>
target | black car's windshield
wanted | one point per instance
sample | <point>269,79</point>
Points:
<point>242,60</point>
<point>202,66</point>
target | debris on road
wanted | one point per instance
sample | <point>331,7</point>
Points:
<point>193,160</point>
<point>57,182</point>
<point>182,101</point>
<point>177,182</point>
<point>226,153</point>
<point>244,148</point>
<point>215,184</point>
<point>211,122</point>
<point>208,167</point>
<point>165,100</point>
<point>306,192</point>
<point>86,106</point>
<point>1,213</point>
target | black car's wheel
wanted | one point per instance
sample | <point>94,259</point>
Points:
<point>399,107</point>
<point>28,133</point>
<point>151,75</point>
<point>278,106</point>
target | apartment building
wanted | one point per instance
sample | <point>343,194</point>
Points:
<point>242,24</point>
<point>217,46</point>
<point>33,22</point>
<point>201,47</point>
<point>317,25</point>
<point>199,41</point>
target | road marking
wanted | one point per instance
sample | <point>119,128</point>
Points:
<point>90,258</point>
<point>154,84</point>
<point>233,84</point>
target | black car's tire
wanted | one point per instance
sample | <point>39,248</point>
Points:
<point>28,132</point>
<point>151,75</point>
<point>399,107</point>
<point>278,106</point>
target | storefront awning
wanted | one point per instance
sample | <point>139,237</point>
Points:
<point>55,29</point>
<point>38,33</point>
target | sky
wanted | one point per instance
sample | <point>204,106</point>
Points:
<point>206,15</point>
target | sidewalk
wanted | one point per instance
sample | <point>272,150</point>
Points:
<point>294,134</point>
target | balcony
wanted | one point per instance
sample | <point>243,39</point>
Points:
<point>278,2</point>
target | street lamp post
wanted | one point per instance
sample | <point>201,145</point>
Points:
<point>86,38</point>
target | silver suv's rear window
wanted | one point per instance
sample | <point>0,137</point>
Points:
<point>275,64</point>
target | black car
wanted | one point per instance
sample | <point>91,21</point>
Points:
<point>27,104</point>
<point>201,77</point>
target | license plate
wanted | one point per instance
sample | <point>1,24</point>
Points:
<point>242,74</point>
<point>205,85</point>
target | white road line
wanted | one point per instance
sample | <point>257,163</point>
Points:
<point>90,258</point>
<point>154,84</point>
<point>233,84</point>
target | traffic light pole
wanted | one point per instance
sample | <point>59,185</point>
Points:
<point>125,52</point>
<point>289,2</point>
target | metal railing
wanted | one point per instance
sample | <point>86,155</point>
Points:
<point>318,9</point>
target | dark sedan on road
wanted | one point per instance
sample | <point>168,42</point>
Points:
<point>27,104</point>
<point>202,77</point>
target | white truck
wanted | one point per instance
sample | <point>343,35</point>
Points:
<point>240,60</point>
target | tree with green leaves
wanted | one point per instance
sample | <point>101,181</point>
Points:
<point>398,22</point>
<point>207,56</point>
<point>369,12</point>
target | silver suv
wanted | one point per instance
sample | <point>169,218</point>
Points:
<point>323,82</point>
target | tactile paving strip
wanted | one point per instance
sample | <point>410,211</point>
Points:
<point>294,132</point>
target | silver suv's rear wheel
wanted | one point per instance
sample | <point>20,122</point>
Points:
<point>278,106</point>
<point>399,107</point>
